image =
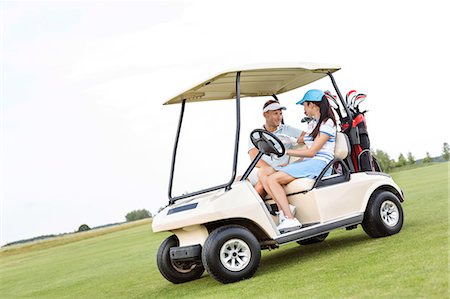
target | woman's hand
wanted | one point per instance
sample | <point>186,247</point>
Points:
<point>318,143</point>
<point>301,138</point>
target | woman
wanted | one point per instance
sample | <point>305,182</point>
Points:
<point>319,139</point>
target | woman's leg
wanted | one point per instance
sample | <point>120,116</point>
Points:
<point>275,184</point>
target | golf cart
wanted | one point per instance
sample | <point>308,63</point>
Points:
<point>223,228</point>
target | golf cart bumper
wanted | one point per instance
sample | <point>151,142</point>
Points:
<point>191,253</point>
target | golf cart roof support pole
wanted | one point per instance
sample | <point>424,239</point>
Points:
<point>353,134</point>
<point>349,114</point>
<point>238,129</point>
<point>252,165</point>
<point>174,154</point>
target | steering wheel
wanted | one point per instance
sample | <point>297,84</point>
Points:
<point>267,142</point>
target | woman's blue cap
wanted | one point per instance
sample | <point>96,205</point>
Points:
<point>313,95</point>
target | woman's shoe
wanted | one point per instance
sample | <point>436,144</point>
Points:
<point>289,224</point>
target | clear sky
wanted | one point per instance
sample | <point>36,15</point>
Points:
<point>85,139</point>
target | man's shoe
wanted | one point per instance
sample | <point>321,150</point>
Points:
<point>293,210</point>
<point>281,216</point>
<point>289,224</point>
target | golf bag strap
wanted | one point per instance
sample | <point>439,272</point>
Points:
<point>349,163</point>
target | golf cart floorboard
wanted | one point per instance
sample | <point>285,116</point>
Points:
<point>313,230</point>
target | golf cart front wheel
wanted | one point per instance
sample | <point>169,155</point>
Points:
<point>176,272</point>
<point>231,253</point>
<point>383,216</point>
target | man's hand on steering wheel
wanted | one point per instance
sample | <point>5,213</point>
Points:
<point>267,142</point>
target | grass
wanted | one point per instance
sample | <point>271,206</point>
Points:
<point>67,238</point>
<point>349,264</point>
<point>412,166</point>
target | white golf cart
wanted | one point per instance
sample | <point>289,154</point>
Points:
<point>223,228</point>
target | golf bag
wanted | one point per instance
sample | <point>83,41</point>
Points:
<point>361,158</point>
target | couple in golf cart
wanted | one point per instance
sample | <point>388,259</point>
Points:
<point>223,228</point>
<point>319,139</point>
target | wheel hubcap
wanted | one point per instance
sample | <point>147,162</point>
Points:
<point>389,213</point>
<point>235,255</point>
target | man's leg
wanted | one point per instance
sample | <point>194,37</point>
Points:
<point>275,184</point>
<point>260,189</point>
<point>263,174</point>
<point>254,180</point>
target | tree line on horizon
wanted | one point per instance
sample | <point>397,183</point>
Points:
<point>387,164</point>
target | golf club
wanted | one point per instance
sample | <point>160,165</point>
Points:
<point>348,95</point>
<point>332,100</point>
<point>359,99</point>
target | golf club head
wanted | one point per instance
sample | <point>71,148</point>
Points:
<point>352,100</point>
<point>333,102</point>
<point>348,96</point>
<point>359,99</point>
<point>331,99</point>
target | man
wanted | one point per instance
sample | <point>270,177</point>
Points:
<point>273,114</point>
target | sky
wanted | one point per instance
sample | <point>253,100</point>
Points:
<point>85,138</point>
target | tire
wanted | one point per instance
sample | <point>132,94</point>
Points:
<point>313,240</point>
<point>383,216</point>
<point>176,272</point>
<point>231,253</point>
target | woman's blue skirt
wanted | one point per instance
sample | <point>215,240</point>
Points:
<point>310,168</point>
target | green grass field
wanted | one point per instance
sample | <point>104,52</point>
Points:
<point>121,262</point>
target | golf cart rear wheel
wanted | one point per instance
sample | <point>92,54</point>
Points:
<point>313,240</point>
<point>231,253</point>
<point>176,272</point>
<point>383,216</point>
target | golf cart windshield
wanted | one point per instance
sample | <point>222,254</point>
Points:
<point>252,81</point>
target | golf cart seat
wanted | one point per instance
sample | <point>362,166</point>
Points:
<point>341,151</point>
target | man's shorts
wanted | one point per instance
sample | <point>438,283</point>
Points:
<point>253,177</point>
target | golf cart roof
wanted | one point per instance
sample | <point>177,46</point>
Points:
<point>256,81</point>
